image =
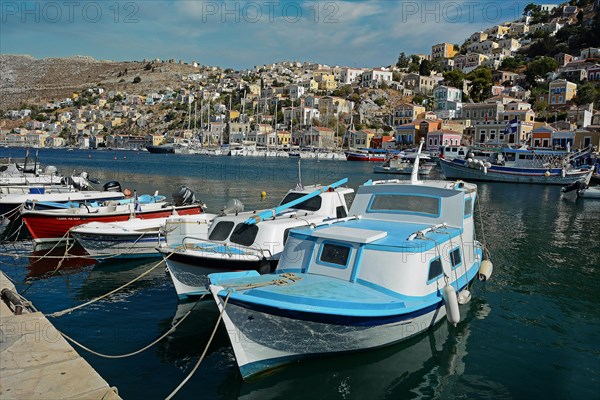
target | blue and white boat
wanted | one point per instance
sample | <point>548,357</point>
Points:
<point>516,166</point>
<point>248,240</point>
<point>386,273</point>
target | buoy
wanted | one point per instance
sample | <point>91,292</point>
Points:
<point>89,156</point>
<point>115,158</point>
<point>485,270</point>
<point>547,174</point>
<point>464,296</point>
<point>451,303</point>
<point>263,194</point>
<point>124,157</point>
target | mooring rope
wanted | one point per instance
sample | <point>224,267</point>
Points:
<point>69,310</point>
<point>212,336</point>
<point>133,353</point>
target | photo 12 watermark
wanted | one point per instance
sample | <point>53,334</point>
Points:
<point>69,12</point>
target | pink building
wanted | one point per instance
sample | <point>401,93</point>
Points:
<point>442,137</point>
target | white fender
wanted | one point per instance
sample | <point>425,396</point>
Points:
<point>464,296</point>
<point>451,303</point>
<point>485,169</point>
<point>485,270</point>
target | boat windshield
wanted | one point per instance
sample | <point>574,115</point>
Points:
<point>221,230</point>
<point>405,204</point>
<point>244,234</point>
<point>313,204</point>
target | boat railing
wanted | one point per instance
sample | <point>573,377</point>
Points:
<point>421,233</point>
<point>226,246</point>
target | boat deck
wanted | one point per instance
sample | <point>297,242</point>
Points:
<point>318,294</point>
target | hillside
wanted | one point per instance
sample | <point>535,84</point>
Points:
<point>26,79</point>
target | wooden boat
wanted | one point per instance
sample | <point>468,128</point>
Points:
<point>387,273</point>
<point>516,166</point>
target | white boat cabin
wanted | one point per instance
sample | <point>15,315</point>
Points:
<point>399,238</point>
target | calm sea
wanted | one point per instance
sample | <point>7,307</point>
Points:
<point>532,331</point>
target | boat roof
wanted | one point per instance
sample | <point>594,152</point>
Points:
<point>382,235</point>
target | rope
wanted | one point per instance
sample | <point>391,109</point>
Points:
<point>287,278</point>
<point>69,310</point>
<point>187,378</point>
<point>485,249</point>
<point>137,351</point>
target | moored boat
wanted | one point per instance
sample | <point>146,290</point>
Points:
<point>55,225</point>
<point>403,165</point>
<point>516,166</point>
<point>387,273</point>
<point>375,155</point>
<point>249,240</point>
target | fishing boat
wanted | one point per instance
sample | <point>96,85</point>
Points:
<point>56,225</point>
<point>250,240</point>
<point>517,166</point>
<point>402,262</point>
<point>403,165</point>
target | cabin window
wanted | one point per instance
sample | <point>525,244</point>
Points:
<point>340,212</point>
<point>435,270</point>
<point>313,204</point>
<point>405,204</point>
<point>455,257</point>
<point>221,231</point>
<point>244,234</point>
<point>335,254</point>
<point>468,207</point>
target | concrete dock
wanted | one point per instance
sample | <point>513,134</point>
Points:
<point>36,362</point>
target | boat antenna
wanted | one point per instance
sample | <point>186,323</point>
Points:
<point>414,176</point>
<point>299,185</point>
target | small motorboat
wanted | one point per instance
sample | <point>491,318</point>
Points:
<point>403,165</point>
<point>582,189</point>
<point>56,225</point>
<point>249,240</point>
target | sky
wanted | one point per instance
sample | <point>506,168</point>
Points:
<point>245,33</point>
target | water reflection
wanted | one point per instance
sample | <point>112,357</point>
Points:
<point>427,366</point>
<point>46,262</point>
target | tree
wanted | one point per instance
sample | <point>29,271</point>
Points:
<point>454,78</point>
<point>539,68</point>
<point>511,63</point>
<point>481,83</point>
<point>540,106</point>
<point>137,79</point>
<point>425,67</point>
<point>531,8</point>
<point>586,94</point>
<point>403,61</point>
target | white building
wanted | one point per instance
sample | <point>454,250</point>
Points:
<point>350,75</point>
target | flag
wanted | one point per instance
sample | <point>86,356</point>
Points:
<point>514,124</point>
<point>137,206</point>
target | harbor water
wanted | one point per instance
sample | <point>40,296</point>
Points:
<point>532,331</point>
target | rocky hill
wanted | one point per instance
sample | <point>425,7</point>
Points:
<point>25,79</point>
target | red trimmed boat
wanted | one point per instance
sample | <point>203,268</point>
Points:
<point>54,225</point>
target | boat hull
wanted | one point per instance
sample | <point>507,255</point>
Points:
<point>589,193</point>
<point>127,245</point>
<point>365,157</point>
<point>49,227</point>
<point>458,169</point>
<point>189,270</point>
<point>256,335</point>
<point>161,149</point>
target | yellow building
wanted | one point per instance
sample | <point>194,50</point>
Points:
<point>443,50</point>
<point>284,138</point>
<point>561,91</point>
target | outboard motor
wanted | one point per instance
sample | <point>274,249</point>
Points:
<point>112,186</point>
<point>233,206</point>
<point>183,196</point>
